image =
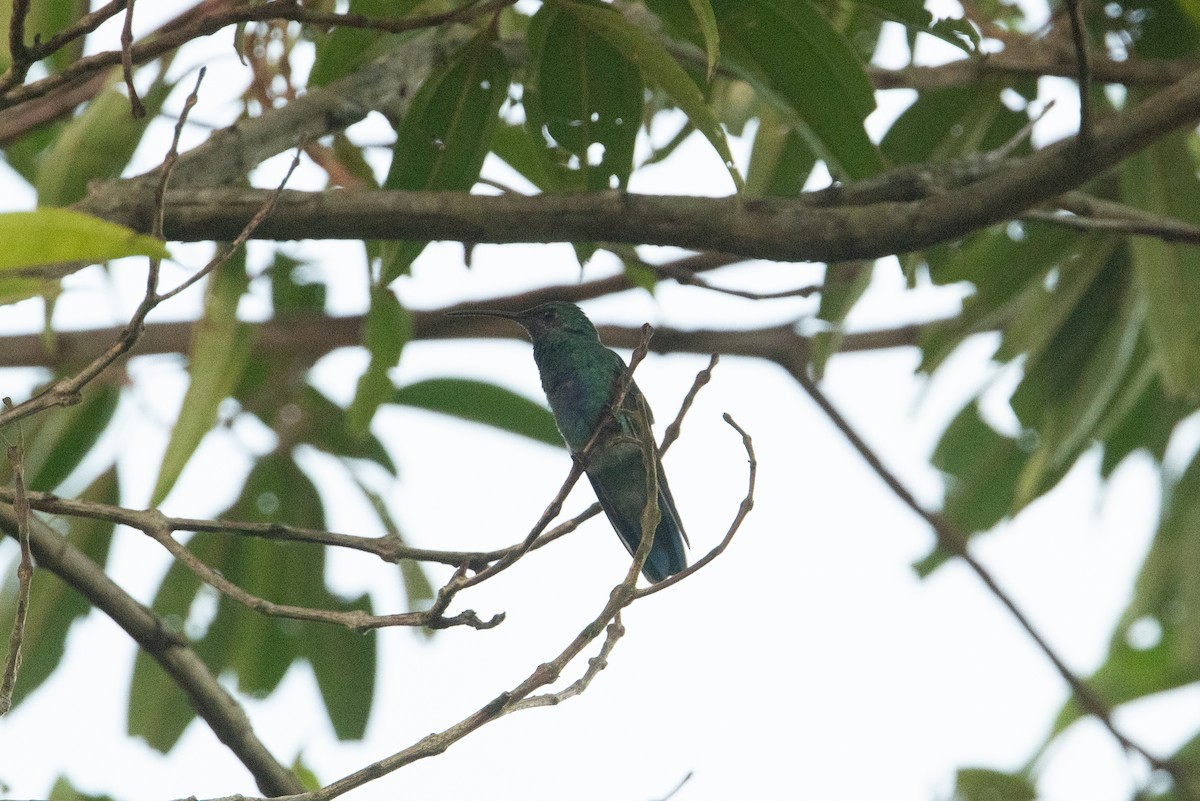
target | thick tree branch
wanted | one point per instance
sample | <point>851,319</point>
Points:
<point>807,228</point>
<point>218,708</point>
<point>310,338</point>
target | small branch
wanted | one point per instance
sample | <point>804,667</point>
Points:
<point>135,102</point>
<point>206,695</point>
<point>744,508</point>
<point>65,391</point>
<point>702,378</point>
<point>196,27</point>
<point>544,675</point>
<point>151,523</point>
<point>1083,73</point>
<point>954,542</point>
<point>597,663</point>
<point>12,665</point>
<point>18,52</point>
<point>160,528</point>
<point>1095,214</point>
<point>688,278</point>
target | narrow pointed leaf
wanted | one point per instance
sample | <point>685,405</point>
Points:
<point>657,67</point>
<point>50,236</point>
<point>343,50</point>
<point>344,662</point>
<point>96,145</point>
<point>447,132</point>
<point>913,15</point>
<point>1162,179</point>
<point>585,97</point>
<point>482,403</point>
<point>790,52</point>
<point>388,327</point>
<point>218,354</point>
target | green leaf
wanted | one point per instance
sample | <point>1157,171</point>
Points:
<point>844,284</point>
<point>260,649</point>
<point>343,50</point>
<point>219,352</point>
<point>956,122</point>
<point>484,403</point>
<point>523,150</point>
<point>780,161</point>
<point>344,662</point>
<point>388,327</point>
<point>447,132</point>
<point>791,54</point>
<point>53,604</point>
<point>584,96</point>
<point>1071,383</point>
<point>417,588</point>
<point>323,425</point>
<point>96,145</point>
<point>912,14</point>
<point>291,293</point>
<point>1156,644</point>
<point>658,67</point>
<point>1161,179</point>
<point>306,775</point>
<point>1009,268</point>
<point>984,784</point>
<point>1143,417</point>
<point>63,790</point>
<point>981,468</point>
<point>50,236</point>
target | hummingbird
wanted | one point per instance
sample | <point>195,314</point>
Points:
<point>581,379</point>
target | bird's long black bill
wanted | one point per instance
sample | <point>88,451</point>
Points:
<point>504,315</point>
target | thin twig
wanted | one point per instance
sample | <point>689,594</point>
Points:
<point>355,619</point>
<point>65,391</point>
<point>597,663</point>
<point>1096,214</point>
<point>161,528</point>
<point>158,638</point>
<point>1083,73</point>
<point>953,541</point>
<point>686,778</point>
<point>12,664</point>
<point>240,239</point>
<point>702,378</point>
<point>135,102</point>
<point>18,53</point>
<point>543,675</point>
<point>744,509</point>
<point>688,278</point>
<point>195,28</point>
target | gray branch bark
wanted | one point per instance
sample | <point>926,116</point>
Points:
<point>218,708</point>
<point>839,224</point>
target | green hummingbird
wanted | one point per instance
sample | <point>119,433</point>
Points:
<point>581,379</point>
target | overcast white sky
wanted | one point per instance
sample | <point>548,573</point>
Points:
<point>807,662</point>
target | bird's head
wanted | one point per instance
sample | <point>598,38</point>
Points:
<point>546,321</point>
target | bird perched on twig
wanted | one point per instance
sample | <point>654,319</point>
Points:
<point>582,379</point>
